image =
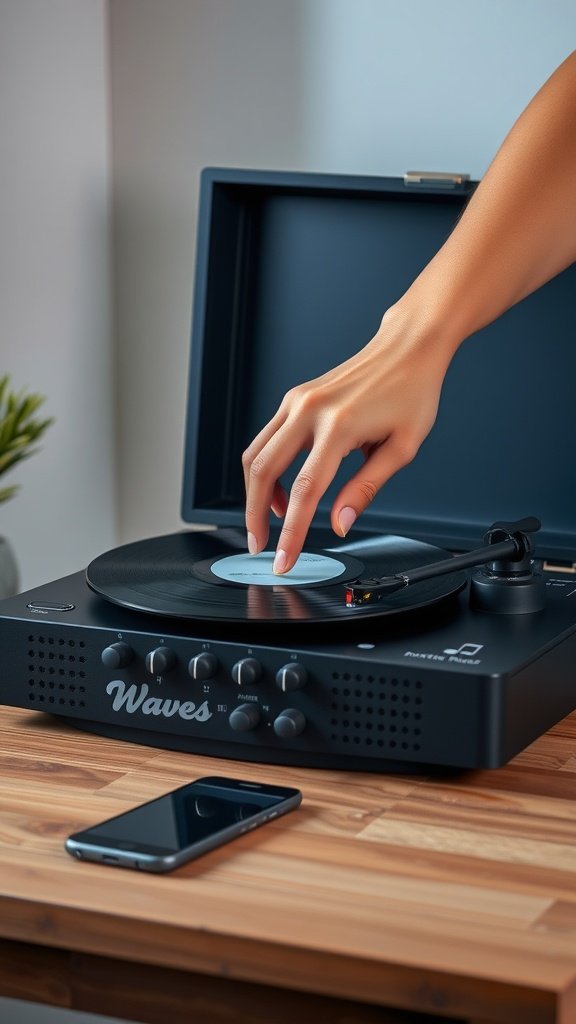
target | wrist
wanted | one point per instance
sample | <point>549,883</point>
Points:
<point>423,324</point>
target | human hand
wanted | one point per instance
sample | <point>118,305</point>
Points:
<point>383,401</point>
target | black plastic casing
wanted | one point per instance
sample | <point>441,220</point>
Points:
<point>450,687</point>
<point>293,275</point>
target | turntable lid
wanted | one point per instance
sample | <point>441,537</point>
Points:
<point>293,274</point>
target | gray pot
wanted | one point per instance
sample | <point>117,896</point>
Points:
<point>9,581</point>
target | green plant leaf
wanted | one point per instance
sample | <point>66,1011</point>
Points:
<point>20,429</point>
<point>8,492</point>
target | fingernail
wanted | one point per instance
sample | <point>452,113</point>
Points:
<point>280,561</point>
<point>346,519</point>
<point>252,544</point>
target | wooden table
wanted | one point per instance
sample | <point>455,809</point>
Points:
<point>438,898</point>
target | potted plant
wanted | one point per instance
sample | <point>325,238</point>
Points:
<point>20,430</point>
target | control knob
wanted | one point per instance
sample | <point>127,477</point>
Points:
<point>290,723</point>
<point>244,718</point>
<point>292,676</point>
<point>203,666</point>
<point>160,660</point>
<point>117,655</point>
<point>246,671</point>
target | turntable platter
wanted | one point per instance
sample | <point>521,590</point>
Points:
<point>209,576</point>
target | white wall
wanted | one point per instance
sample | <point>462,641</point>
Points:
<point>54,276</point>
<point>426,85</point>
<point>192,83</point>
<point>367,86</point>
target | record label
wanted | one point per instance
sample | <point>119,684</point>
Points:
<point>256,570</point>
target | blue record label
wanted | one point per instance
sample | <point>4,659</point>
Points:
<point>256,570</point>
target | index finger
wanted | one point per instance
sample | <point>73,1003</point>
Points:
<point>311,483</point>
<point>263,471</point>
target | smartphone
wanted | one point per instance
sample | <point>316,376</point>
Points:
<point>169,831</point>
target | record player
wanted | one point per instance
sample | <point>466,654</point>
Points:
<point>402,646</point>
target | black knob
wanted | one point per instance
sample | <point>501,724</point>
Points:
<point>117,655</point>
<point>244,718</point>
<point>246,671</point>
<point>290,723</point>
<point>203,666</point>
<point>292,676</point>
<point>160,660</point>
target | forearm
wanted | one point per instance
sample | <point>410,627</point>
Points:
<point>519,228</point>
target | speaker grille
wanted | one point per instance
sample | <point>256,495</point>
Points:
<point>377,715</point>
<point>56,667</point>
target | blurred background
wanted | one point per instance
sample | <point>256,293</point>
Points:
<point>108,111</point>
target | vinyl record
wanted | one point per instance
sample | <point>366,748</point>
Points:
<point>208,576</point>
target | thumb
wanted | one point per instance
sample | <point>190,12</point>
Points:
<point>362,488</point>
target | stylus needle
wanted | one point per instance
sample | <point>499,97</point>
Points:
<point>368,591</point>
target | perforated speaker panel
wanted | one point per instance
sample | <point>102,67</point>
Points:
<point>56,672</point>
<point>385,715</point>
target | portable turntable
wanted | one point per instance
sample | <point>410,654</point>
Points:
<point>389,648</point>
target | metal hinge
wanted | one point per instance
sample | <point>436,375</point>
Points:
<point>431,179</point>
<point>559,565</point>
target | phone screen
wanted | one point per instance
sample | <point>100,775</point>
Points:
<point>187,817</point>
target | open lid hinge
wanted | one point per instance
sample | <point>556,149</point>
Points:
<point>433,179</point>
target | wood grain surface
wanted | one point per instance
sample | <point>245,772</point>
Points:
<point>451,895</point>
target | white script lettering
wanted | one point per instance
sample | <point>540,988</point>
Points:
<point>133,699</point>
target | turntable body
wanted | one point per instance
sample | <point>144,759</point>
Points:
<point>293,273</point>
<point>448,687</point>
